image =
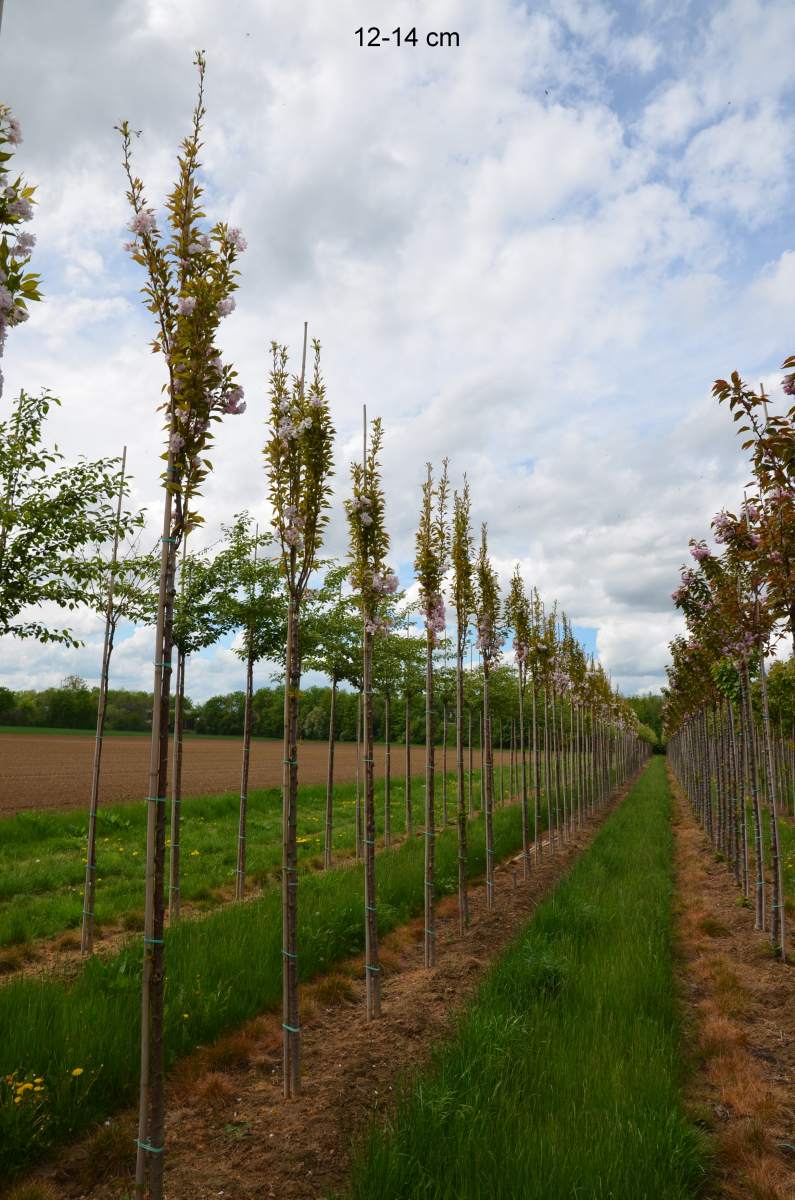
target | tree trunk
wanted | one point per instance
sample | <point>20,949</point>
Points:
<point>430,815</point>
<point>87,936</point>
<point>372,968</point>
<point>176,795</point>
<point>444,765</point>
<point>387,775</point>
<point>487,791</point>
<point>463,899</point>
<point>332,733</point>
<point>242,828</point>
<point>525,809</point>
<point>290,1013</point>
<point>358,805</point>
<point>151,1112</point>
<point>777,898</point>
<point>407,789</point>
<point>87,939</point>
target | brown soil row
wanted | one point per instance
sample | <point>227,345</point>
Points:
<point>229,1131</point>
<point>39,771</point>
<point>740,1000</point>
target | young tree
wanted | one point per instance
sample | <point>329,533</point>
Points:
<point>190,278</point>
<point>372,581</point>
<point>122,589</point>
<point>336,645</point>
<point>463,600</point>
<point>201,617</point>
<point>490,638</point>
<point>252,597</point>
<point>299,454</point>
<point>388,669</point>
<point>430,564</point>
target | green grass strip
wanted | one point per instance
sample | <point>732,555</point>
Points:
<point>42,853</point>
<point>563,1078</point>
<point>221,970</point>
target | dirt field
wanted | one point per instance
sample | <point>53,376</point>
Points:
<point>52,771</point>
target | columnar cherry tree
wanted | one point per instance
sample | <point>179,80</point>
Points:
<point>490,639</point>
<point>373,582</point>
<point>190,280</point>
<point>464,602</point>
<point>299,456</point>
<point>430,564</point>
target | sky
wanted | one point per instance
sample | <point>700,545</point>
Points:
<point>532,253</point>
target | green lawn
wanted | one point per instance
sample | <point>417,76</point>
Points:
<point>563,1078</point>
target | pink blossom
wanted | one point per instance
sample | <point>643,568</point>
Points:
<point>788,385</point>
<point>176,443</point>
<point>14,131</point>
<point>236,239</point>
<point>292,536</point>
<point>225,307</point>
<point>754,539</point>
<point>366,519</point>
<point>700,551</point>
<point>143,222</point>
<point>521,650</point>
<point>204,241</point>
<point>723,526</point>
<point>234,404</point>
<point>18,315</point>
<point>25,243</point>
<point>6,299</point>
<point>21,208</point>
<point>186,305</point>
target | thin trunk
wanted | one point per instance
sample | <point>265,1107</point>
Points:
<point>487,787</point>
<point>290,1012</point>
<point>463,899</point>
<point>242,826</point>
<point>87,938</point>
<point>444,765</point>
<point>409,813</point>
<point>777,897</point>
<point>151,1109</point>
<point>387,774</point>
<point>332,734</point>
<point>430,815</point>
<point>372,968</point>
<point>523,760</point>
<point>358,804</point>
<point>176,795</point>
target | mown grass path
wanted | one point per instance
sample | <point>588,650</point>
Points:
<point>563,1079</point>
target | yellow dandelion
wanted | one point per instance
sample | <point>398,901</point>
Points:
<point>185,1016</point>
<point>77,1071</point>
<point>194,853</point>
<point>38,1088</point>
<point>39,1079</point>
<point>17,1099</point>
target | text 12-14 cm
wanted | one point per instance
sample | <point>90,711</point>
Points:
<point>404,37</point>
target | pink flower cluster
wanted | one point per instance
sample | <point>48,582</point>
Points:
<point>741,646</point>
<point>377,625</point>
<point>386,583</point>
<point>233,403</point>
<point>225,307</point>
<point>10,130</point>
<point>293,533</point>
<point>700,551</point>
<point>360,505</point>
<point>521,650</point>
<point>435,617</point>
<point>143,222</point>
<point>724,527</point>
<point>560,680</point>
<point>186,305</point>
<point>488,641</point>
<point>236,239</point>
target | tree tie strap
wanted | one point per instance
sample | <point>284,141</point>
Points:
<point>291,1028</point>
<point>287,954</point>
<point>173,887</point>
<point>156,799</point>
<point>371,908</point>
<point>369,842</point>
<point>292,761</point>
<point>91,866</point>
<point>430,932</point>
<point>368,760</point>
<point>148,941</point>
<point>168,539</point>
<point>148,1147</point>
<point>165,665</point>
<point>369,968</point>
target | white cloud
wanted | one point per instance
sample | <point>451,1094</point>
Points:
<point>500,256</point>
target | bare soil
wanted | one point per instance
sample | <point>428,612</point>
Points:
<point>230,1133</point>
<point>40,771</point>
<point>740,1002</point>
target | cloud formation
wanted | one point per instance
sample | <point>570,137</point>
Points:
<point>532,253</point>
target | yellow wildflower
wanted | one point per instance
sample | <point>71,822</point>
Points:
<point>77,1071</point>
<point>194,853</point>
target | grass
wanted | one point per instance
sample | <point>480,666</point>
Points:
<point>79,1039</point>
<point>42,854</point>
<point>563,1078</point>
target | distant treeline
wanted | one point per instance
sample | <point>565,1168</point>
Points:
<point>74,706</point>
